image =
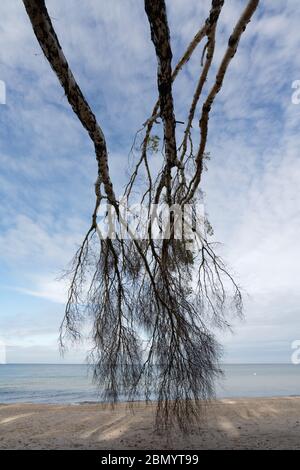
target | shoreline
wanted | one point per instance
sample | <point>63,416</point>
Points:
<point>151,402</point>
<point>229,423</point>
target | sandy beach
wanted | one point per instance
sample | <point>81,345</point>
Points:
<point>266,423</point>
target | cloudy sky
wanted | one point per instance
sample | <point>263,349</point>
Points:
<point>47,165</point>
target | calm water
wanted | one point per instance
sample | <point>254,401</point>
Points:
<point>73,384</point>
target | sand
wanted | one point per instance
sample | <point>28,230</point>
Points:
<point>266,423</point>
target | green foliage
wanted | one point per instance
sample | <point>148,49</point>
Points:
<point>153,143</point>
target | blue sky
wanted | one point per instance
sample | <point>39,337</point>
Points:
<point>47,165</point>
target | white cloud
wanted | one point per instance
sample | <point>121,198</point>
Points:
<point>49,289</point>
<point>48,163</point>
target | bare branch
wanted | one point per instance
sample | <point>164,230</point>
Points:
<point>47,38</point>
<point>160,35</point>
<point>228,56</point>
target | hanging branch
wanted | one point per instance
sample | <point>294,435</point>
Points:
<point>160,35</point>
<point>211,25</point>
<point>47,38</point>
<point>205,30</point>
<point>203,123</point>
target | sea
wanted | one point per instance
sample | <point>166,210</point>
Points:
<point>73,384</point>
